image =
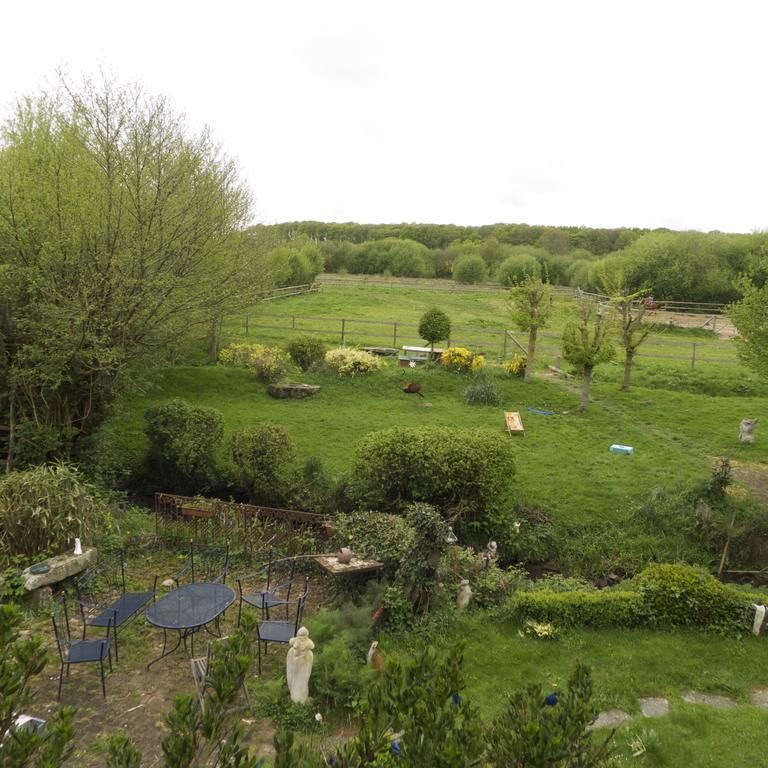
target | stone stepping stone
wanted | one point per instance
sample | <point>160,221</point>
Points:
<point>760,697</point>
<point>711,700</point>
<point>654,707</point>
<point>611,718</point>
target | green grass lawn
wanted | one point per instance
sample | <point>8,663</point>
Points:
<point>563,461</point>
<point>626,665</point>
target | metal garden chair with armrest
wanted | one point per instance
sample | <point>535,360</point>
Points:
<point>104,599</point>
<point>78,651</point>
<point>281,631</point>
<point>206,563</point>
<point>268,587</point>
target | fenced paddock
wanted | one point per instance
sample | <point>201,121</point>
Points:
<point>497,343</point>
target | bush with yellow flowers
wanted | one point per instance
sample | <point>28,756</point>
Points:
<point>461,360</point>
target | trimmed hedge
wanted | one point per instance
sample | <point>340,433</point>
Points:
<point>605,608</point>
<point>663,595</point>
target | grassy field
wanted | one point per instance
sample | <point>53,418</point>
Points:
<point>478,319</point>
<point>677,420</point>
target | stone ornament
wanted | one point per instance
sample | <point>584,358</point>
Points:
<point>465,595</point>
<point>298,665</point>
<point>78,547</point>
<point>747,429</point>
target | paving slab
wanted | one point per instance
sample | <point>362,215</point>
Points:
<point>611,718</point>
<point>710,699</point>
<point>760,697</point>
<point>654,706</point>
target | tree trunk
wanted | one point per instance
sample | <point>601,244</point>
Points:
<point>628,360</point>
<point>585,387</point>
<point>214,337</point>
<point>531,351</point>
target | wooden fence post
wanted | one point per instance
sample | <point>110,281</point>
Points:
<point>394,335</point>
<point>693,355</point>
<point>246,325</point>
<point>293,322</point>
<point>343,324</point>
<point>504,348</point>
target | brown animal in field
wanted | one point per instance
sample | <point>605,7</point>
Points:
<point>413,389</point>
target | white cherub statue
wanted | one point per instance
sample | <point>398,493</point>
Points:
<point>298,665</point>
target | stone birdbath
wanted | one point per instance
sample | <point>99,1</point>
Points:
<point>38,578</point>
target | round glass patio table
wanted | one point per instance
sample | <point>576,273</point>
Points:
<point>188,609</point>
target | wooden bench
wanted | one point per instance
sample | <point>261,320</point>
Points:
<point>514,423</point>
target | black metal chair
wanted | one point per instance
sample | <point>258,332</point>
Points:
<point>207,563</point>
<point>78,651</point>
<point>268,587</point>
<point>281,631</point>
<point>104,599</point>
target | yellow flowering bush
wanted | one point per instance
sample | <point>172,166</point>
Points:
<point>461,360</point>
<point>351,362</point>
<point>516,366</point>
<point>267,363</point>
<point>538,630</point>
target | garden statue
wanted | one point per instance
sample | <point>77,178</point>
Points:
<point>490,553</point>
<point>375,659</point>
<point>465,595</point>
<point>298,666</point>
<point>78,547</point>
<point>747,430</point>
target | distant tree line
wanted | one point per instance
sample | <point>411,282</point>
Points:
<point>680,266</point>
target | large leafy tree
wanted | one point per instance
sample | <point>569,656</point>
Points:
<point>586,343</point>
<point>119,235</point>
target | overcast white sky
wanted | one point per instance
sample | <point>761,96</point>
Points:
<point>590,113</point>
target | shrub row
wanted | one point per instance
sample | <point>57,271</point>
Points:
<point>663,595</point>
<point>605,608</point>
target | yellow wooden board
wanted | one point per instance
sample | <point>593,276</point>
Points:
<point>514,423</point>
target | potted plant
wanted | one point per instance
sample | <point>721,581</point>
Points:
<point>199,507</point>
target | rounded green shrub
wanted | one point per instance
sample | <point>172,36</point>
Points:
<point>262,454</point>
<point>677,595</point>
<point>516,267</point>
<point>470,269</point>
<point>457,470</point>
<point>183,440</point>
<point>306,351</point>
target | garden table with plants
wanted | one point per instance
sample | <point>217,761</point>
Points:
<point>188,609</point>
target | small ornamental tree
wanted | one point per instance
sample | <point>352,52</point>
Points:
<point>434,326</point>
<point>586,344</point>
<point>630,313</point>
<point>541,730</point>
<point>531,303</point>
